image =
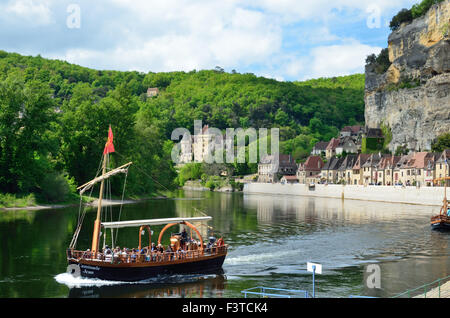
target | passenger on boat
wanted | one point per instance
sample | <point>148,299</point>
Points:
<point>184,237</point>
<point>133,255</point>
<point>153,248</point>
<point>169,252</point>
<point>108,253</point>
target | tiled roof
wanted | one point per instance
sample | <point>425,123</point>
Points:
<point>321,145</point>
<point>333,144</point>
<point>362,158</point>
<point>313,163</point>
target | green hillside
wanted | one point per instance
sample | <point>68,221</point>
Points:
<point>54,118</point>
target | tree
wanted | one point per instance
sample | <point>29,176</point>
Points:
<point>442,143</point>
<point>404,15</point>
<point>26,112</point>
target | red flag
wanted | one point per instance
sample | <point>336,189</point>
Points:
<point>109,147</point>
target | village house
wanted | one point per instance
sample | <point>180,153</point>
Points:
<point>352,131</point>
<point>385,169</point>
<point>442,167</point>
<point>269,170</point>
<point>320,148</point>
<point>289,179</point>
<point>346,145</point>
<point>402,171</point>
<point>152,91</point>
<point>426,172</point>
<point>346,169</point>
<point>370,168</point>
<point>310,171</point>
<point>331,169</point>
<point>357,175</point>
<point>331,148</point>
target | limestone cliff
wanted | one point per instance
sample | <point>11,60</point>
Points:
<point>412,97</point>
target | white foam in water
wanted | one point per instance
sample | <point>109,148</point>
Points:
<point>255,258</point>
<point>77,282</point>
<point>71,281</point>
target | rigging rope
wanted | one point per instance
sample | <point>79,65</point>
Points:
<point>144,172</point>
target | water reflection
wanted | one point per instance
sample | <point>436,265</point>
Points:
<point>179,287</point>
<point>271,239</point>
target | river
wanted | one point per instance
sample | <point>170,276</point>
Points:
<point>271,239</point>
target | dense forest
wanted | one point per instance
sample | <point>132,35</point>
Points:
<point>54,119</point>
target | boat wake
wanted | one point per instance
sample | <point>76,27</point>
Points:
<point>77,282</point>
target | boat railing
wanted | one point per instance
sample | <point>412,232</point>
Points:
<point>165,256</point>
<point>442,217</point>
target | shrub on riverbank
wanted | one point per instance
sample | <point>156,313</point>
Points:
<point>9,200</point>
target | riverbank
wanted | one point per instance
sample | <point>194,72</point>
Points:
<point>198,186</point>
<point>394,194</point>
<point>93,202</point>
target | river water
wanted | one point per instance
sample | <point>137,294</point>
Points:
<point>271,239</point>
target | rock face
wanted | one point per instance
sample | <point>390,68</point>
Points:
<point>412,97</point>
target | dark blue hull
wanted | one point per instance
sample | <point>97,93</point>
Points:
<point>133,272</point>
<point>441,226</point>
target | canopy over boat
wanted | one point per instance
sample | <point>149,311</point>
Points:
<point>135,223</point>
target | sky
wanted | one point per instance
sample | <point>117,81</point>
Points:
<point>287,40</point>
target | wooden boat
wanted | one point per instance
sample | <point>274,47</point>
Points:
<point>185,255</point>
<point>442,220</point>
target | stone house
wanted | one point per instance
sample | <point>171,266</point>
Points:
<point>269,170</point>
<point>330,171</point>
<point>331,148</point>
<point>288,179</point>
<point>346,169</point>
<point>352,131</point>
<point>347,145</point>
<point>442,168</point>
<point>152,91</point>
<point>370,168</point>
<point>320,148</point>
<point>357,175</point>
<point>310,171</point>
<point>385,169</point>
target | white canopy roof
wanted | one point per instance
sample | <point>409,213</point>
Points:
<point>135,223</point>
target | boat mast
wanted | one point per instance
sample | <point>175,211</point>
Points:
<point>97,224</point>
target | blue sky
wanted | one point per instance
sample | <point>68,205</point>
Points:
<point>282,39</point>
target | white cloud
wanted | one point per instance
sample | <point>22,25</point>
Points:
<point>200,35</point>
<point>284,39</point>
<point>341,59</point>
<point>30,11</point>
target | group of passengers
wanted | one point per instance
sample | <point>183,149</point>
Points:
<point>153,252</point>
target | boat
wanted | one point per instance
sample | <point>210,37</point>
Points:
<point>442,220</point>
<point>184,254</point>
